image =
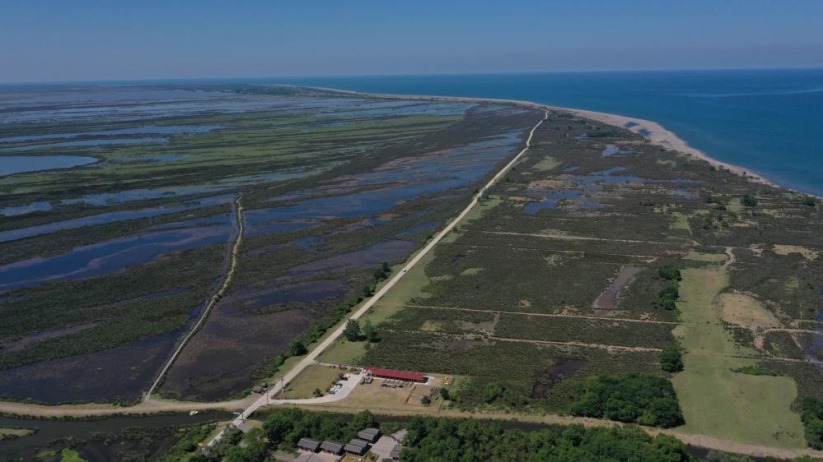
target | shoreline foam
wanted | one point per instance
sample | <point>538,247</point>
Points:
<point>656,133</point>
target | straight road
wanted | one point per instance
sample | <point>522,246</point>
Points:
<point>311,358</point>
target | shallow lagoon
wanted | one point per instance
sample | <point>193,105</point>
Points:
<point>10,165</point>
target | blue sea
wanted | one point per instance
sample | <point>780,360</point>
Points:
<point>768,121</point>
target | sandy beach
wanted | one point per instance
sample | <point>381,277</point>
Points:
<point>652,131</point>
<point>658,135</point>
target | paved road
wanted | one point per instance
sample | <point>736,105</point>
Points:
<point>311,358</point>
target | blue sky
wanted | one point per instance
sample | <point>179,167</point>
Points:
<point>60,40</point>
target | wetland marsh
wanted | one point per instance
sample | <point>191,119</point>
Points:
<point>117,258</point>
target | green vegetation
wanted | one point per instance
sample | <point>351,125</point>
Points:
<point>297,348</point>
<point>370,332</point>
<point>755,369</point>
<point>440,439</point>
<point>266,155</point>
<point>451,440</point>
<point>749,201</point>
<point>189,443</point>
<point>669,273</point>
<point>669,294</point>
<point>634,398</point>
<point>285,427</point>
<point>811,411</point>
<point>314,381</point>
<point>708,389</point>
<point>70,455</point>
<point>671,359</point>
<point>119,308</point>
<point>352,331</point>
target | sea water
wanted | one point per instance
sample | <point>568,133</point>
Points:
<point>767,121</point>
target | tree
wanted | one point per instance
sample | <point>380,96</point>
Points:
<point>425,400</point>
<point>444,393</point>
<point>317,393</point>
<point>363,419</point>
<point>352,331</point>
<point>810,201</point>
<point>669,272</point>
<point>749,201</point>
<point>370,332</point>
<point>368,291</point>
<point>280,424</point>
<point>671,360</point>
<point>297,349</point>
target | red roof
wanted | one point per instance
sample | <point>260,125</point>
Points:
<point>398,375</point>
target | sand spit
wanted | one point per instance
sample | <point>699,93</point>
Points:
<point>652,131</point>
<point>658,135</point>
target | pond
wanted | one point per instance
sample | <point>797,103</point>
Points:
<point>10,165</point>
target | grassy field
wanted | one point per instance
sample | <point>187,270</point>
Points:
<point>312,378</point>
<point>715,400</point>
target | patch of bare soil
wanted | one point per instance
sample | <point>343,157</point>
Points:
<point>609,299</point>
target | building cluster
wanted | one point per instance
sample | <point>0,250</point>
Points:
<point>313,450</point>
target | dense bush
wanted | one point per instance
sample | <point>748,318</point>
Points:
<point>446,440</point>
<point>188,443</point>
<point>352,331</point>
<point>669,295</point>
<point>633,398</point>
<point>670,273</point>
<point>749,201</point>
<point>811,412</point>
<point>285,427</point>
<point>671,359</point>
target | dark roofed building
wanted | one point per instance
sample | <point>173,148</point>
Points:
<point>310,457</point>
<point>331,446</point>
<point>357,447</point>
<point>308,444</point>
<point>358,442</point>
<point>369,434</point>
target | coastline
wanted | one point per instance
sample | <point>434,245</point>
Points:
<point>660,136</point>
<point>655,133</point>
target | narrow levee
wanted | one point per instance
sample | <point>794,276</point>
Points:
<point>213,300</point>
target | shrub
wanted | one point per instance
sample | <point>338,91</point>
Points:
<point>297,349</point>
<point>749,201</point>
<point>670,273</point>
<point>632,398</point>
<point>671,360</point>
<point>352,331</point>
<point>811,412</point>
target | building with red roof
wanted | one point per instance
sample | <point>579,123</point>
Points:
<point>396,375</point>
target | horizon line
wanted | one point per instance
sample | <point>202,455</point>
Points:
<point>137,81</point>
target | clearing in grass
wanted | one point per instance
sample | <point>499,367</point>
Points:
<point>715,400</point>
<point>312,378</point>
